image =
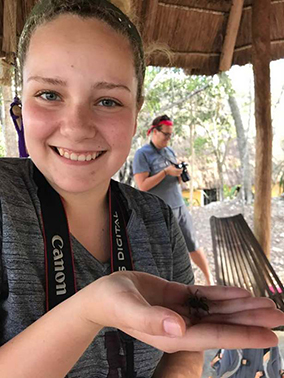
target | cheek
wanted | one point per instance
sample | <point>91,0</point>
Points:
<point>36,120</point>
<point>121,138</point>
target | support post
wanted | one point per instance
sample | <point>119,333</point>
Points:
<point>261,10</point>
<point>10,134</point>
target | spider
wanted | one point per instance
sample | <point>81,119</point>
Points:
<point>197,304</point>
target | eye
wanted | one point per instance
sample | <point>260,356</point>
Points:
<point>108,103</point>
<point>48,96</point>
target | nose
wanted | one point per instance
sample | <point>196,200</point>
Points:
<point>78,123</point>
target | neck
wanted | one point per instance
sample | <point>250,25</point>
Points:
<point>81,203</point>
<point>88,219</point>
<point>156,144</point>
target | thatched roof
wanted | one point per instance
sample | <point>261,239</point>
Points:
<point>194,30</point>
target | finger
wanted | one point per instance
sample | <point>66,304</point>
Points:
<point>166,294</point>
<point>263,317</point>
<point>218,292</point>
<point>205,336</point>
<point>137,315</point>
<point>239,304</point>
<point>234,336</point>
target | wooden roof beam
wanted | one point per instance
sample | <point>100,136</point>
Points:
<point>150,10</point>
<point>231,35</point>
<point>9,43</point>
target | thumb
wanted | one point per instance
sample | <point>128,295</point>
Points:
<point>153,320</point>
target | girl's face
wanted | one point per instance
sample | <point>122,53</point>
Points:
<point>79,102</point>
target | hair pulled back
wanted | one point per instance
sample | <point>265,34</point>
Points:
<point>111,13</point>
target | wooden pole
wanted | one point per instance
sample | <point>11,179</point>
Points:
<point>231,35</point>
<point>10,134</point>
<point>261,60</point>
<point>192,164</point>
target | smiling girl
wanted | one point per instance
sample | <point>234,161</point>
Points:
<point>94,275</point>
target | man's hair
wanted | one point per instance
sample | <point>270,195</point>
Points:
<point>158,119</point>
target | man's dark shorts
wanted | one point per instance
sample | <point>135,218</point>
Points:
<point>184,219</point>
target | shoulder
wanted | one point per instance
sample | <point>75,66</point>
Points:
<point>14,173</point>
<point>144,203</point>
<point>146,149</point>
<point>13,168</point>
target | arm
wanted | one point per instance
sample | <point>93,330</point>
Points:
<point>199,259</point>
<point>180,365</point>
<point>145,182</point>
<point>47,348</point>
<point>52,345</point>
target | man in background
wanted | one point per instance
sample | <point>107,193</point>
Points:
<point>155,172</point>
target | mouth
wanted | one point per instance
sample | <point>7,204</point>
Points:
<point>78,156</point>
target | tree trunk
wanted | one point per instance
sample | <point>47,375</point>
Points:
<point>10,134</point>
<point>221,178</point>
<point>243,151</point>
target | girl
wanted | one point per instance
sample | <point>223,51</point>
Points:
<point>86,263</point>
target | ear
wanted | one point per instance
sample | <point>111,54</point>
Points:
<point>140,104</point>
<point>139,107</point>
<point>135,128</point>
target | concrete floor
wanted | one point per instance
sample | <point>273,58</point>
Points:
<point>208,372</point>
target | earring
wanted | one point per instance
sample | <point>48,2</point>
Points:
<point>16,115</point>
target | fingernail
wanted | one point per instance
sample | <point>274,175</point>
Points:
<point>172,327</point>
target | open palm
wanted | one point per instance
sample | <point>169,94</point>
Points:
<point>156,312</point>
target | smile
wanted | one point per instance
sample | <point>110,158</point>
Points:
<point>75,156</point>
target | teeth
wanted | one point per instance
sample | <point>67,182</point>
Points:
<point>74,157</point>
<point>82,158</point>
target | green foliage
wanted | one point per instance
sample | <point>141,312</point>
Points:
<point>200,143</point>
<point>191,101</point>
<point>168,91</point>
<point>230,192</point>
<point>187,202</point>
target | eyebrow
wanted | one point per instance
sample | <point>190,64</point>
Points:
<point>99,85</point>
<point>107,85</point>
<point>48,80</point>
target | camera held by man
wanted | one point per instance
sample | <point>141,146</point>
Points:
<point>185,175</point>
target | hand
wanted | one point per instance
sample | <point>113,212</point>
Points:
<point>156,312</point>
<point>173,171</point>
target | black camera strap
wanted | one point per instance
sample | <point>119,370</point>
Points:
<point>59,260</point>
<point>163,156</point>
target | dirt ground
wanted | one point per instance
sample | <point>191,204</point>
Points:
<point>201,216</point>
